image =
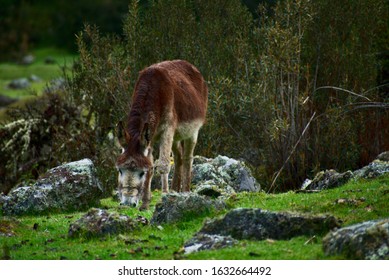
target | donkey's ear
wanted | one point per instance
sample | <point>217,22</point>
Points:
<point>146,135</point>
<point>122,136</point>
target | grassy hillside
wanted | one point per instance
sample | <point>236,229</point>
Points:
<point>45,237</point>
<point>45,72</point>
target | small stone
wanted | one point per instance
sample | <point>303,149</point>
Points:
<point>202,242</point>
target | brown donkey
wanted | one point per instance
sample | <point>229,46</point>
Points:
<point>168,107</point>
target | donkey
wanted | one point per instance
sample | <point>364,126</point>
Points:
<point>169,105</point>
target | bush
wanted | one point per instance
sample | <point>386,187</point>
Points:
<point>275,83</point>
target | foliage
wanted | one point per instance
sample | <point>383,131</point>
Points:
<point>292,91</point>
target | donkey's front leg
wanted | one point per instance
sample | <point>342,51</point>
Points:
<point>165,150</point>
<point>146,195</point>
<point>146,192</point>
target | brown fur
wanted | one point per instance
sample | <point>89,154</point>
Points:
<point>169,106</point>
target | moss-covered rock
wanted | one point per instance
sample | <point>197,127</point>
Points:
<point>328,179</point>
<point>257,224</point>
<point>176,207</point>
<point>368,240</point>
<point>72,186</point>
<point>225,173</point>
<point>99,222</point>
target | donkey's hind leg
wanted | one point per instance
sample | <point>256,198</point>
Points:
<point>177,149</point>
<point>189,146</point>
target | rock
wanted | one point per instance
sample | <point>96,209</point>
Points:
<point>218,177</point>
<point>376,168</point>
<point>50,60</point>
<point>368,240</point>
<point>5,100</point>
<point>176,207</point>
<point>34,78</point>
<point>327,180</point>
<point>55,85</point>
<point>27,60</point>
<point>257,224</point>
<point>383,156</point>
<point>72,186</point>
<point>223,172</point>
<point>99,222</point>
<point>212,189</point>
<point>20,83</point>
<point>332,179</point>
<point>202,242</point>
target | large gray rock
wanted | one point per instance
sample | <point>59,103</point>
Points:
<point>176,207</point>
<point>327,180</point>
<point>368,240</point>
<point>20,83</point>
<point>257,224</point>
<point>217,177</point>
<point>222,176</point>
<point>72,186</point>
<point>99,222</point>
<point>376,168</point>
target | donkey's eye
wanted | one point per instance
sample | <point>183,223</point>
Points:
<point>120,172</point>
<point>141,174</point>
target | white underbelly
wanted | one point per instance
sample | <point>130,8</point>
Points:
<point>188,130</point>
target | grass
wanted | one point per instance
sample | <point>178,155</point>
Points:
<point>45,72</point>
<point>45,237</point>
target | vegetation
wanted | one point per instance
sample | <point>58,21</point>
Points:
<point>45,237</point>
<point>291,90</point>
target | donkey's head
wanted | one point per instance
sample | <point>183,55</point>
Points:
<point>131,178</point>
<point>133,165</point>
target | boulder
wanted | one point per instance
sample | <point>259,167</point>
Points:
<point>202,242</point>
<point>20,83</point>
<point>56,85</point>
<point>99,222</point>
<point>367,240</point>
<point>327,180</point>
<point>217,177</point>
<point>331,179</point>
<point>257,224</point>
<point>226,173</point>
<point>376,168</point>
<point>176,207</point>
<point>72,186</point>
<point>27,59</point>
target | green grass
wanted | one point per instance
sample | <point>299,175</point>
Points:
<point>49,239</point>
<point>46,72</point>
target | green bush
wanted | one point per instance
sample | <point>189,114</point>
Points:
<point>275,82</point>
